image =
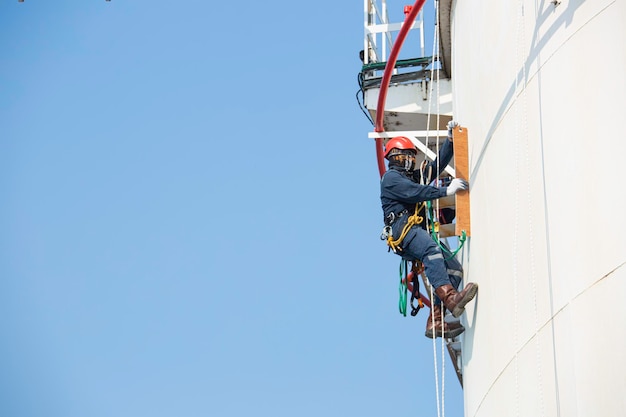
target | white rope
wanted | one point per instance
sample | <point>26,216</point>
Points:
<point>432,72</point>
<point>443,366</point>
<point>436,365</point>
<point>435,59</point>
<point>436,211</point>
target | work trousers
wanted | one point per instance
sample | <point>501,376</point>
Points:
<point>419,245</point>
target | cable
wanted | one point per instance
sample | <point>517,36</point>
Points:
<point>435,361</point>
<point>362,100</point>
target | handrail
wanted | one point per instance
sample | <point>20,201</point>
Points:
<point>384,86</point>
<point>401,63</point>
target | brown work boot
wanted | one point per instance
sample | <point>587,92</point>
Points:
<point>434,326</point>
<point>456,301</point>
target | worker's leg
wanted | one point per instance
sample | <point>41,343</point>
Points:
<point>422,247</point>
<point>439,273</point>
<point>455,271</point>
<point>453,266</point>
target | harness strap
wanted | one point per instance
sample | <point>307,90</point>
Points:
<point>413,220</point>
<point>415,294</point>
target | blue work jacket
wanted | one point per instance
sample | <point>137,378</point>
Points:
<point>401,190</point>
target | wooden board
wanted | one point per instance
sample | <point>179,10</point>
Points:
<point>446,202</point>
<point>447,230</point>
<point>461,166</point>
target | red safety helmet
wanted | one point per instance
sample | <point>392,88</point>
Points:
<point>399,142</point>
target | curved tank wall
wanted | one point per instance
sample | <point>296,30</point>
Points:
<point>541,88</point>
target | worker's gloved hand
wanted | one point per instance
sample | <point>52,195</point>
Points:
<point>457,185</point>
<point>451,125</point>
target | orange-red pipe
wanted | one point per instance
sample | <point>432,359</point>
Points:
<point>384,85</point>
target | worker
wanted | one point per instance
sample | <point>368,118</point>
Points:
<point>403,188</point>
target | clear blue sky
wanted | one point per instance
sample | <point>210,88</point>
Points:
<point>190,215</point>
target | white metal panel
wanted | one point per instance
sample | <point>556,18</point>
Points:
<point>542,93</point>
<point>407,98</point>
<point>597,347</point>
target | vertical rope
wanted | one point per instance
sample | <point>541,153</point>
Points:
<point>432,76</point>
<point>436,365</point>
<point>438,104</point>
<point>438,97</point>
<point>443,367</point>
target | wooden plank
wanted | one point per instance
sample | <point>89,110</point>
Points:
<point>445,202</point>
<point>447,230</point>
<point>461,165</point>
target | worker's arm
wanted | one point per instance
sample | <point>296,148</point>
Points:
<point>397,187</point>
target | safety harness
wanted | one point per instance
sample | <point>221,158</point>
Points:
<point>416,297</point>
<point>413,220</point>
<point>394,245</point>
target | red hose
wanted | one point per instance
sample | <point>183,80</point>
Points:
<point>384,85</point>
